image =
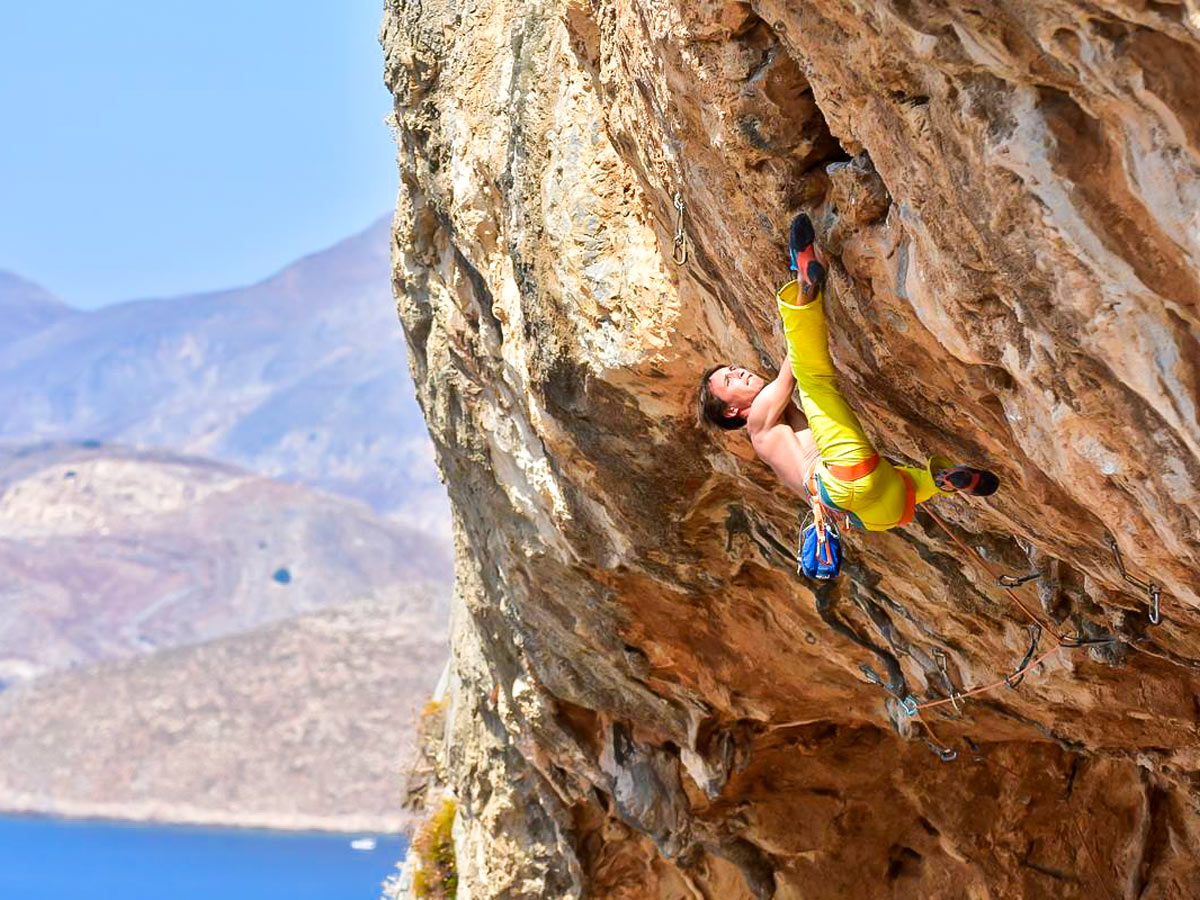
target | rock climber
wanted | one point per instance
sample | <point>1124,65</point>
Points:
<point>822,453</point>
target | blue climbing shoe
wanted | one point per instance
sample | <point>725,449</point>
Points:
<point>802,254</point>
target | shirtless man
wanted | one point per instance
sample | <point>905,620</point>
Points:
<point>823,452</point>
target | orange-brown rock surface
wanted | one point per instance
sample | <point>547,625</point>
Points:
<point>646,701</point>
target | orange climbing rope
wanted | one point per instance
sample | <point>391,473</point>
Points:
<point>1074,642</point>
<point>980,690</point>
<point>914,709</point>
<point>1058,639</point>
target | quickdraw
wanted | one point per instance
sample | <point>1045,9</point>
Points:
<point>679,252</point>
<point>1033,619</point>
<point>839,517</point>
<point>940,657</point>
<point>944,753</point>
<point>1014,680</point>
<point>1036,628</point>
<point>1075,641</point>
<point>913,709</point>
<point>1012,581</point>
<point>1152,590</point>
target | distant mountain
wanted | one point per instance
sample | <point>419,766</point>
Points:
<point>301,376</point>
<point>107,552</point>
<point>26,308</point>
<point>302,724</point>
<point>200,617</point>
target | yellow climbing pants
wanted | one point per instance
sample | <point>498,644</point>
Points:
<point>881,498</point>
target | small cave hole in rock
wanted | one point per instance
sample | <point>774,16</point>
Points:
<point>903,862</point>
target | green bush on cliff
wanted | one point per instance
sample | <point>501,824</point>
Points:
<point>436,877</point>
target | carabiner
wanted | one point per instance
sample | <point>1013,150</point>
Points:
<point>679,253</point>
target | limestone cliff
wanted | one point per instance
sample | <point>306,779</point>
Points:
<point>646,701</point>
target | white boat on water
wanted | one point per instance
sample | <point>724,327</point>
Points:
<point>364,843</point>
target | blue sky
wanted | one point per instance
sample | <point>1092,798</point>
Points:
<point>161,147</point>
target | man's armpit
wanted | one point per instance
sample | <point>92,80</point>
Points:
<point>769,443</point>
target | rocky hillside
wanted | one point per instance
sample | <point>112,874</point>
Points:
<point>108,552</point>
<point>298,377</point>
<point>26,308</point>
<point>302,724</point>
<point>646,702</point>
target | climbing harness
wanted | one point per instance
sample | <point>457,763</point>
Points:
<point>1153,591</point>
<point>820,553</point>
<point>817,498</point>
<point>679,252</point>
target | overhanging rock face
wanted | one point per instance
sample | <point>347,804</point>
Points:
<point>646,701</point>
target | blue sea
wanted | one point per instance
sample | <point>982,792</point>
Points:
<point>49,859</point>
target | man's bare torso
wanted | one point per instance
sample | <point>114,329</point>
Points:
<point>789,449</point>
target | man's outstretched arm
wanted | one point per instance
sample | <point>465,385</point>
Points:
<point>772,434</point>
<point>773,400</point>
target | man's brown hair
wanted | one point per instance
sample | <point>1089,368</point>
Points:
<point>712,407</point>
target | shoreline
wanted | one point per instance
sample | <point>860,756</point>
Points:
<point>166,815</point>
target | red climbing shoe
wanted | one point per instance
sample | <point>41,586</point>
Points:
<point>966,480</point>
<point>802,255</point>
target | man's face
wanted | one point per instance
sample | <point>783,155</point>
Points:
<point>736,387</point>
